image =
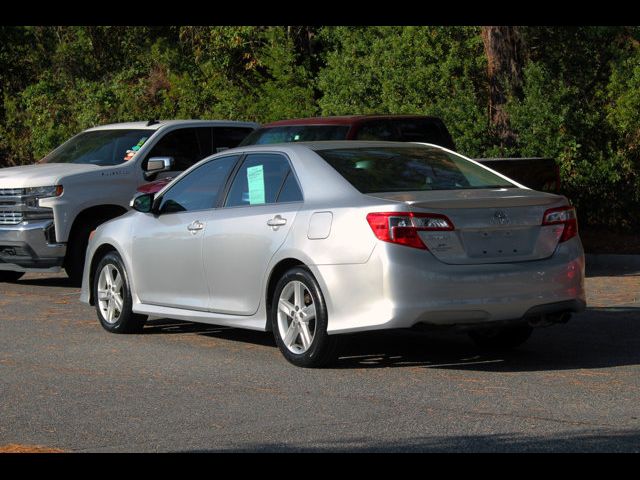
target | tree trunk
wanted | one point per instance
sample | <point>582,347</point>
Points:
<point>503,48</point>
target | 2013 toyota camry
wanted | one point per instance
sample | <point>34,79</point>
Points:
<point>311,240</point>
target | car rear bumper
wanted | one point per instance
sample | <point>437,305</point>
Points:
<point>26,247</point>
<point>401,287</point>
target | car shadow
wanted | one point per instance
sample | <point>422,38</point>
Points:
<point>597,338</point>
<point>47,282</point>
<point>168,326</point>
<point>580,441</point>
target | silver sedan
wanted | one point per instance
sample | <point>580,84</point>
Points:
<point>313,240</point>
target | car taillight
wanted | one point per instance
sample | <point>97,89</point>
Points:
<point>403,227</point>
<point>562,215</point>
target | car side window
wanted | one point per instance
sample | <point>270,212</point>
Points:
<point>183,145</point>
<point>200,188</point>
<point>259,180</point>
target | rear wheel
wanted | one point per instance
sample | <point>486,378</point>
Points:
<point>7,276</point>
<point>299,320</point>
<point>112,296</point>
<point>503,338</point>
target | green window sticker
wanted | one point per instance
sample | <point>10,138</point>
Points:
<point>255,180</point>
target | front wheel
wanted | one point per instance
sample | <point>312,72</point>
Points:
<point>299,320</point>
<point>9,276</point>
<point>503,338</point>
<point>112,296</point>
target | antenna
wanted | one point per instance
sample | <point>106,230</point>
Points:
<point>152,122</point>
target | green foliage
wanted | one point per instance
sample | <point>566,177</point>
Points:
<point>580,98</point>
<point>579,106</point>
<point>424,70</point>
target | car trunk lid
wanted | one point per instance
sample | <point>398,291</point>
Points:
<point>490,225</point>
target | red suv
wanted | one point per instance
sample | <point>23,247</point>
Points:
<point>398,128</point>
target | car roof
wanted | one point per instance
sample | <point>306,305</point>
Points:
<point>343,120</point>
<point>321,145</point>
<point>166,123</point>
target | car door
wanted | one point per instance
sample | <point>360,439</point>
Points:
<point>239,242</point>
<point>167,246</point>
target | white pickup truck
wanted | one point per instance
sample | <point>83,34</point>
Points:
<point>48,209</point>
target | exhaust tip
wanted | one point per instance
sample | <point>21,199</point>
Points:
<point>548,319</point>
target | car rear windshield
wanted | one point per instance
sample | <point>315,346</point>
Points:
<point>406,169</point>
<point>296,133</point>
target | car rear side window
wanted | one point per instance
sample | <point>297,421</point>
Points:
<point>260,180</point>
<point>199,189</point>
<point>290,191</point>
<point>411,168</point>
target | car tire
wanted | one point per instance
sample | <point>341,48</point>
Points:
<point>10,277</point>
<point>503,338</point>
<point>299,320</point>
<point>112,296</point>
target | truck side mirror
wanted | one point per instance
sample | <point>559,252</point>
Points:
<point>143,202</point>
<point>159,164</point>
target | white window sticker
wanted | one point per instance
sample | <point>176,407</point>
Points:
<point>255,180</point>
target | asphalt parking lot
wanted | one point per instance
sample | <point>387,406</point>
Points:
<point>66,384</point>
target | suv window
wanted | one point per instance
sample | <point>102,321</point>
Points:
<point>421,130</point>
<point>228,137</point>
<point>406,130</point>
<point>377,130</point>
<point>260,180</point>
<point>296,133</point>
<point>199,189</point>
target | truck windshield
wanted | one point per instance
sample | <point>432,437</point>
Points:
<point>100,147</point>
<point>296,133</point>
<point>409,169</point>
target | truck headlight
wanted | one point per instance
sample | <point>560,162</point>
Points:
<point>44,192</point>
<point>32,197</point>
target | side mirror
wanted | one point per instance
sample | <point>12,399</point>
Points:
<point>159,164</point>
<point>156,165</point>
<point>143,202</point>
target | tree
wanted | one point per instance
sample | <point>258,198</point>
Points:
<point>504,52</point>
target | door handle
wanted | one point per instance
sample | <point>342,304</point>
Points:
<point>195,226</point>
<point>276,222</point>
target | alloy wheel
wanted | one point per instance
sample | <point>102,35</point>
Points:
<point>110,293</point>
<point>296,317</point>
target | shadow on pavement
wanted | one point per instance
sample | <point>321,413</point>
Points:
<point>168,326</point>
<point>47,282</point>
<point>581,441</point>
<point>598,338</point>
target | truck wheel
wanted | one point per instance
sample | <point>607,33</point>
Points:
<point>112,296</point>
<point>10,277</point>
<point>504,338</point>
<point>299,320</point>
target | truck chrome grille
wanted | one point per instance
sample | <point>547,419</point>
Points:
<point>11,192</point>
<point>10,218</point>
